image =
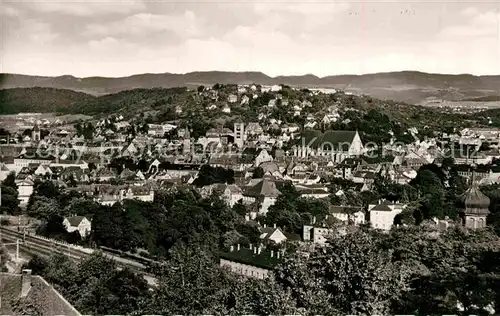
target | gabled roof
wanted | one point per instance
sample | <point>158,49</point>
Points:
<point>383,207</point>
<point>74,221</point>
<point>264,188</point>
<point>267,232</point>
<point>42,296</point>
<point>345,209</point>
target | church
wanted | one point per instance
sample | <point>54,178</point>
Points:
<point>474,208</point>
<point>336,144</point>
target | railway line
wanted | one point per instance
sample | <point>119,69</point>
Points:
<point>45,247</point>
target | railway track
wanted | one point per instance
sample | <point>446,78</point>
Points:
<point>45,247</point>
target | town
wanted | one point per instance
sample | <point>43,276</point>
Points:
<point>279,197</point>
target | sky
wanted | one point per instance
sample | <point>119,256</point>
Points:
<point>122,37</point>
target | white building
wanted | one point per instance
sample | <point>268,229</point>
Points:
<point>272,234</point>
<point>25,189</point>
<point>382,214</point>
<point>78,223</point>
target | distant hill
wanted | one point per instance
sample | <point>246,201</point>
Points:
<point>404,86</point>
<point>40,100</point>
<point>488,98</point>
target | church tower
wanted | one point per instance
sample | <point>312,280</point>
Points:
<point>35,134</point>
<point>186,143</point>
<point>239,133</point>
<point>475,207</point>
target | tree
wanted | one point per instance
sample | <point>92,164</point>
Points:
<point>356,276</point>
<point>10,181</point>
<point>209,175</point>
<point>10,201</point>
<point>258,173</point>
<point>191,283</point>
<point>108,228</point>
<point>43,207</point>
<point>4,257</point>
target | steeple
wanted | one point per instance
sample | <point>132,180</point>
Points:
<point>475,206</point>
<point>35,133</point>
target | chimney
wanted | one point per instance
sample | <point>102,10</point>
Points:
<point>255,250</point>
<point>238,247</point>
<point>232,248</point>
<point>26,282</point>
<point>274,225</point>
<point>272,253</point>
<point>277,254</point>
<point>250,246</point>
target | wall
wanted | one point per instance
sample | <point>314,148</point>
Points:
<point>383,219</point>
<point>245,269</point>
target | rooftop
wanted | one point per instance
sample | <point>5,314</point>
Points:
<point>40,296</point>
<point>247,256</point>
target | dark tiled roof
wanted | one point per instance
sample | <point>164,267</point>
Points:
<point>345,209</point>
<point>247,256</point>
<point>334,138</point>
<point>42,296</point>
<point>264,188</point>
<point>382,207</point>
<point>75,220</point>
<point>475,201</point>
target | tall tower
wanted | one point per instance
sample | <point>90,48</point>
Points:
<point>35,133</point>
<point>239,134</point>
<point>186,143</point>
<point>475,207</point>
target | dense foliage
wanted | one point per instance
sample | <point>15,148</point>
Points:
<point>19,100</point>
<point>9,196</point>
<point>411,270</point>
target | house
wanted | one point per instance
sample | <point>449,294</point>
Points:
<point>4,171</point>
<point>230,193</point>
<point>276,88</point>
<point>109,195</point>
<point>43,170</point>
<point>352,214</point>
<point>264,193</point>
<point>25,189</point>
<point>77,223</point>
<point>262,157</point>
<point>339,216</point>
<point>244,100</point>
<point>253,129</point>
<point>318,230</point>
<point>382,214</point>
<point>273,234</point>
<point>315,192</point>
<point>232,98</point>
<point>33,292</point>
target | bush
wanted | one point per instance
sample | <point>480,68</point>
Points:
<point>4,222</point>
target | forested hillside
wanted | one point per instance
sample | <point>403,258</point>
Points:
<point>403,86</point>
<point>19,100</point>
